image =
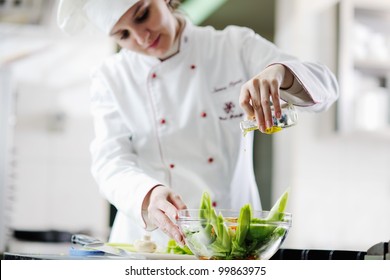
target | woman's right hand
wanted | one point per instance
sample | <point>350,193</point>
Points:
<point>162,211</point>
<point>257,93</point>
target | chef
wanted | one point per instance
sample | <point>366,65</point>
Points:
<point>167,108</point>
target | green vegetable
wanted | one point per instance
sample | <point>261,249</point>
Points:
<point>259,232</point>
<point>276,212</point>
<point>214,239</point>
<point>243,224</point>
<point>174,248</point>
<point>216,232</point>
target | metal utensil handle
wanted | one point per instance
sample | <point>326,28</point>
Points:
<point>83,239</point>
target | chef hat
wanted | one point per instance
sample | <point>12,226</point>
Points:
<point>74,15</point>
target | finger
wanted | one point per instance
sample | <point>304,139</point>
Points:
<point>177,201</point>
<point>163,222</point>
<point>265,102</point>
<point>245,102</point>
<point>254,91</point>
<point>275,94</point>
<point>260,119</point>
<point>168,208</point>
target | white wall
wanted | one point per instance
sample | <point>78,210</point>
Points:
<point>6,155</point>
<point>340,183</point>
<point>54,189</point>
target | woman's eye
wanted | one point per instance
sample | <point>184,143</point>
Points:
<point>125,34</point>
<point>142,16</point>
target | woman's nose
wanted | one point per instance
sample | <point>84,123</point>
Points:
<point>142,37</point>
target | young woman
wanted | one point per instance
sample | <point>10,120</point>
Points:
<point>167,109</point>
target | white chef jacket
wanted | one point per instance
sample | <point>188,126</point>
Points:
<point>176,122</point>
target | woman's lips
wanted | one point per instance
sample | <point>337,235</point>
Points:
<point>155,43</point>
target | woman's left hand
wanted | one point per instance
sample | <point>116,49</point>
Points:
<point>257,93</point>
<point>162,205</point>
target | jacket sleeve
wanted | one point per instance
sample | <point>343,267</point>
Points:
<point>315,87</point>
<point>114,163</point>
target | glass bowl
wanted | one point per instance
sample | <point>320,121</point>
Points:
<point>224,238</point>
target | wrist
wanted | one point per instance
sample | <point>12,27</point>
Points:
<point>144,209</point>
<point>146,201</point>
<point>288,79</point>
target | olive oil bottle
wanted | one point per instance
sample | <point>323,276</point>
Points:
<point>289,118</point>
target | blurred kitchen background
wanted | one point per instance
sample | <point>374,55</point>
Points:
<point>337,163</point>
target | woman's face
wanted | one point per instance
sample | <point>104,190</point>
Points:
<point>149,27</point>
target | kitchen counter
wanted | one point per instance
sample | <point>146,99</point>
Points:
<point>282,254</point>
<point>21,256</point>
<point>27,250</point>
<point>60,251</point>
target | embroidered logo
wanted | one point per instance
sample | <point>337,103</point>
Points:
<point>229,110</point>
<point>229,107</point>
